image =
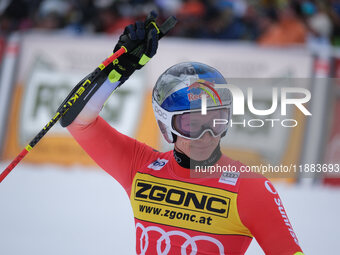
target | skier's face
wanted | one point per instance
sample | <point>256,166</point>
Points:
<point>200,149</point>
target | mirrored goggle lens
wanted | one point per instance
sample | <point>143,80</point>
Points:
<point>193,124</point>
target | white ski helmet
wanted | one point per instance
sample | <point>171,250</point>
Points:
<point>177,102</point>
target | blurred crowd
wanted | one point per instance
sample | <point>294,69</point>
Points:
<point>268,22</point>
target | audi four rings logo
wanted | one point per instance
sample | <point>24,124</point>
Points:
<point>165,236</point>
<point>160,112</point>
<point>231,175</point>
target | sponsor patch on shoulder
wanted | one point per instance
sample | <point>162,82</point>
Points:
<point>158,164</point>
<point>229,178</point>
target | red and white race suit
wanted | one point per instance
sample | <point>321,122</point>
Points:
<point>176,214</point>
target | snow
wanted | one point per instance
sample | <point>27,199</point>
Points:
<point>79,210</point>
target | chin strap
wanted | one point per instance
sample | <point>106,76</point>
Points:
<point>174,137</point>
<point>186,162</point>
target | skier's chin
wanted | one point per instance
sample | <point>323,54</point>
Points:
<point>201,153</point>
<point>198,150</point>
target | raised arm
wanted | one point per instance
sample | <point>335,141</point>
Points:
<point>116,153</point>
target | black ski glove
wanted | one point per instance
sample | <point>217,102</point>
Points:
<point>141,42</point>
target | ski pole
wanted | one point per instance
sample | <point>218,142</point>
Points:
<point>76,93</point>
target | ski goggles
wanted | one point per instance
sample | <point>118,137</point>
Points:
<point>193,124</point>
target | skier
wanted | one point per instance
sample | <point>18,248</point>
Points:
<point>174,212</point>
